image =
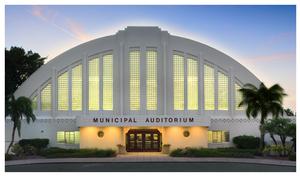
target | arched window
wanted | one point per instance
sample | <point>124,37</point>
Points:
<point>77,88</point>
<point>151,79</point>
<point>222,91</point>
<point>94,84</point>
<point>178,82</point>
<point>134,80</point>
<point>209,88</point>
<point>63,92</point>
<point>46,102</point>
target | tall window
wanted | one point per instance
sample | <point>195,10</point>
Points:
<point>63,92</point>
<point>178,82</point>
<point>151,80</point>
<point>77,88</point>
<point>108,82</point>
<point>209,88</point>
<point>94,84</point>
<point>34,103</point>
<point>218,136</point>
<point>238,97</point>
<point>222,91</point>
<point>192,84</point>
<point>46,98</point>
<point>134,79</point>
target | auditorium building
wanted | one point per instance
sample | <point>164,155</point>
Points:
<point>141,88</point>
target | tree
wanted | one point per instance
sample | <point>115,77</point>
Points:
<point>19,65</point>
<point>289,112</point>
<point>263,101</point>
<point>18,109</point>
<point>278,126</point>
<point>269,128</point>
<point>291,132</point>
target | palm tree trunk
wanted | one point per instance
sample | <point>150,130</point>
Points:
<point>12,138</point>
<point>262,138</point>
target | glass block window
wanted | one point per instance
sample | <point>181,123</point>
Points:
<point>178,82</point>
<point>209,88</point>
<point>77,88</point>
<point>60,137</point>
<point>222,91</point>
<point>218,136</point>
<point>46,102</point>
<point>77,137</point>
<point>134,80</point>
<point>238,97</point>
<point>94,84</point>
<point>63,92</point>
<point>34,103</point>
<point>68,137</point>
<point>108,82</point>
<point>192,84</point>
<point>151,80</point>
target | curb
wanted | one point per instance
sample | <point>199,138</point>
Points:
<point>150,159</point>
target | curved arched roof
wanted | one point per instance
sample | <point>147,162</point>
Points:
<point>135,37</point>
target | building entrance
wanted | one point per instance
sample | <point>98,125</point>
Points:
<point>143,140</point>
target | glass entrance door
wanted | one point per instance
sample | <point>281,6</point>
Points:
<point>143,140</point>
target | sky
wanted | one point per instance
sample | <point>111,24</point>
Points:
<point>262,38</point>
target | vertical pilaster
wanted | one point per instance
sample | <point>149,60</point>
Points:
<point>121,76</point>
<point>70,89</point>
<point>231,90</point>
<point>53,93</point>
<point>85,84</point>
<point>216,87</point>
<point>100,56</point>
<point>143,82</point>
<point>201,84</point>
<point>185,69</point>
<point>164,78</point>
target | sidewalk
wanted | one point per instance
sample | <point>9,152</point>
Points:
<point>150,158</point>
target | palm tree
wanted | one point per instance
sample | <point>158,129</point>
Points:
<point>16,110</point>
<point>263,101</point>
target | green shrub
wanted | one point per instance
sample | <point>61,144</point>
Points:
<point>17,150</point>
<point>55,152</point>
<point>292,156</point>
<point>277,150</point>
<point>37,143</point>
<point>213,152</point>
<point>30,150</point>
<point>246,142</point>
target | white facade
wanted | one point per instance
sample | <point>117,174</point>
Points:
<point>223,116</point>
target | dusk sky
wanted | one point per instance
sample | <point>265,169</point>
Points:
<point>262,38</point>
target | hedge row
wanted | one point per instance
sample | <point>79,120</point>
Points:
<point>36,143</point>
<point>55,152</point>
<point>213,152</point>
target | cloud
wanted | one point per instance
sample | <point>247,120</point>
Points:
<point>60,22</point>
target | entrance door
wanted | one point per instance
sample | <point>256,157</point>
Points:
<point>143,140</point>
